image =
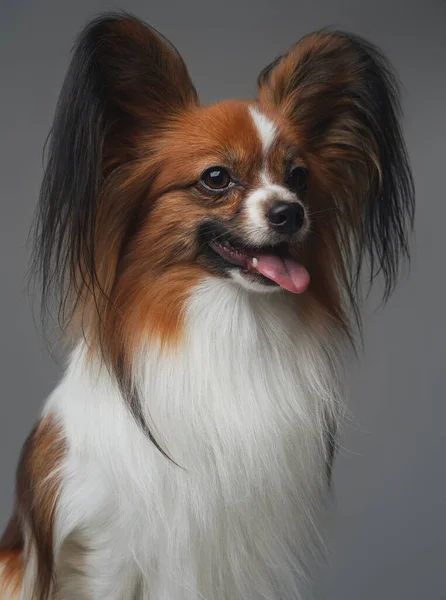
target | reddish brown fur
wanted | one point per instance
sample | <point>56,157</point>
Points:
<point>11,558</point>
<point>307,89</point>
<point>150,205</point>
<point>36,501</point>
<point>148,281</point>
<point>136,260</point>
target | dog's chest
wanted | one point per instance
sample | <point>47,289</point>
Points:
<point>240,409</point>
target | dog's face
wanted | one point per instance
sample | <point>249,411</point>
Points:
<point>232,195</point>
<point>147,192</point>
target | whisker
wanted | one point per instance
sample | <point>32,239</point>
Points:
<point>324,210</point>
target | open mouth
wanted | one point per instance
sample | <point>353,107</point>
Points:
<point>267,265</point>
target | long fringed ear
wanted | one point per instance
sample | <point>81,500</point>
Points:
<point>124,82</point>
<point>340,96</point>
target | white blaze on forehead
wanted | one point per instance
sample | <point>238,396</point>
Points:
<point>266,129</point>
<point>259,230</point>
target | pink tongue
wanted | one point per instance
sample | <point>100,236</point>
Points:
<point>286,272</point>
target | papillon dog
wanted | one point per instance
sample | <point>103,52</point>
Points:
<point>206,262</point>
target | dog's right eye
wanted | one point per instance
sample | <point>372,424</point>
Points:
<point>298,179</point>
<point>216,179</point>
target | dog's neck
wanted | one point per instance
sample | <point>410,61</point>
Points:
<point>247,370</point>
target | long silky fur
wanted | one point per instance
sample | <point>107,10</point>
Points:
<point>340,97</point>
<point>380,242</point>
<point>99,114</point>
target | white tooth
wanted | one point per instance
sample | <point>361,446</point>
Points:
<point>255,262</point>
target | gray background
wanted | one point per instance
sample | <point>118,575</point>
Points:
<point>389,526</point>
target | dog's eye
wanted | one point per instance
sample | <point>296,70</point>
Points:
<point>216,178</point>
<point>298,179</point>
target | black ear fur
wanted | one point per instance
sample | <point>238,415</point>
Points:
<point>124,80</point>
<point>343,97</point>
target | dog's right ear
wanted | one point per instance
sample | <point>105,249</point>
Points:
<point>125,82</point>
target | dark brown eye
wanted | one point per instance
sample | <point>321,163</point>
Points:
<point>298,179</point>
<point>216,178</point>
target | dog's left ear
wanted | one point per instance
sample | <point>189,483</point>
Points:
<point>339,95</point>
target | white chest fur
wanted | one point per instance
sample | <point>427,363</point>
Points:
<point>241,408</point>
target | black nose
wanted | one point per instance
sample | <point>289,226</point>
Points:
<point>286,217</point>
